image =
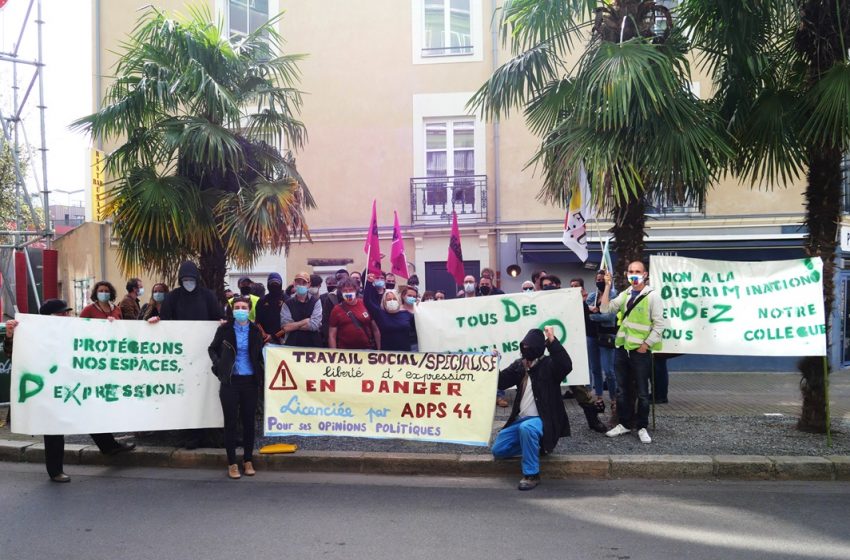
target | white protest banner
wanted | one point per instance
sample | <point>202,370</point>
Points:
<point>480,324</point>
<point>771,308</point>
<point>73,376</point>
<point>404,395</point>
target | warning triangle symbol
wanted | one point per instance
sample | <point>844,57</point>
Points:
<point>283,380</point>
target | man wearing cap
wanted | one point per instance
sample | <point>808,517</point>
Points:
<point>54,445</point>
<point>269,307</point>
<point>538,418</point>
<point>245,285</point>
<point>301,316</point>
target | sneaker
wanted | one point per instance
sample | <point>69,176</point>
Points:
<point>617,430</point>
<point>529,482</point>
<point>644,436</point>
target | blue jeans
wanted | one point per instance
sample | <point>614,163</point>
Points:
<point>601,362</point>
<point>521,438</point>
<point>633,370</point>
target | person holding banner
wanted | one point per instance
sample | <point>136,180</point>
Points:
<point>237,360</point>
<point>394,321</point>
<point>54,445</point>
<point>103,303</point>
<point>640,323</point>
<point>538,418</point>
<point>152,308</point>
<point>601,334</point>
<point>351,325</point>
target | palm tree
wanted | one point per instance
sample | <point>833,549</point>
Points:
<point>783,79</point>
<point>197,175</point>
<point>624,110</point>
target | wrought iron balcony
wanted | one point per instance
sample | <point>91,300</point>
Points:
<point>433,199</point>
<point>665,204</point>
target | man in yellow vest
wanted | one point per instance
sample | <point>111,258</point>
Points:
<point>640,323</point>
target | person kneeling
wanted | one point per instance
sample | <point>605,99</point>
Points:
<point>538,418</point>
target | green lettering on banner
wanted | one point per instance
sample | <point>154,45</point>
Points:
<point>25,392</point>
<point>562,337</point>
<point>512,313</point>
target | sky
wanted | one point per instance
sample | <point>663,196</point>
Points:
<point>67,55</point>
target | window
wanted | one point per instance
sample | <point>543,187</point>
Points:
<point>447,29</point>
<point>246,16</point>
<point>450,152</point>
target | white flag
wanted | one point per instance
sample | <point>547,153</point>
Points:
<point>579,212</point>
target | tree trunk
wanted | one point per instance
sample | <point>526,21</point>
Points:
<point>823,213</point>
<point>629,232</point>
<point>213,267</point>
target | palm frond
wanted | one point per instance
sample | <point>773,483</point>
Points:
<point>525,24</point>
<point>828,105</point>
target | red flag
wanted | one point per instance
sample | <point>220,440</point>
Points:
<point>397,258</point>
<point>373,247</point>
<point>454,264</point>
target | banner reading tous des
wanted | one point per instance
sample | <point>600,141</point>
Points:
<point>73,376</point>
<point>480,324</point>
<point>771,308</point>
<point>405,395</point>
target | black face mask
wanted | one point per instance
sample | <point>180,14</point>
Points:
<point>275,289</point>
<point>245,290</point>
<point>485,290</point>
<point>550,287</point>
<point>600,286</point>
<point>390,285</point>
<point>528,354</point>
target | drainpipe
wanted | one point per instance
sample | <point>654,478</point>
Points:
<point>98,98</point>
<point>494,39</point>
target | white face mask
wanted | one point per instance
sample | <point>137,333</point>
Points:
<point>141,292</point>
<point>392,305</point>
<point>469,287</point>
<point>190,284</point>
<point>314,291</point>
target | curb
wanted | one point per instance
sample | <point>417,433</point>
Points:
<point>678,467</point>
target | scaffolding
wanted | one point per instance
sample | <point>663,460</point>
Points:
<point>13,134</point>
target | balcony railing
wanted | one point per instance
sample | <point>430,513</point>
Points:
<point>433,199</point>
<point>663,204</point>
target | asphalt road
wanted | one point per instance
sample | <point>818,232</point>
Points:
<point>136,513</point>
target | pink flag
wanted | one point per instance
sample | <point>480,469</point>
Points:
<point>397,258</point>
<point>454,264</point>
<point>373,247</point>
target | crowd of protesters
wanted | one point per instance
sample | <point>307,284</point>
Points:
<point>362,311</point>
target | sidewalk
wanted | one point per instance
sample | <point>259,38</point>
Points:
<point>712,422</point>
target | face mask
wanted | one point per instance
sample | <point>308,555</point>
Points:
<point>241,315</point>
<point>392,305</point>
<point>600,286</point>
<point>410,300</point>
<point>245,290</point>
<point>348,296</point>
<point>549,287</point>
<point>141,292</point>
<point>190,284</point>
<point>314,291</point>
<point>158,297</point>
<point>301,290</point>
<point>380,284</point>
<point>469,287</point>
<point>389,285</point>
<point>527,353</point>
<point>485,290</point>
<point>634,278</point>
<point>103,297</point>
<point>275,288</point>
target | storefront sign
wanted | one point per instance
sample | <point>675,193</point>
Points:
<point>72,376</point>
<point>480,324</point>
<point>771,308</point>
<point>404,395</point>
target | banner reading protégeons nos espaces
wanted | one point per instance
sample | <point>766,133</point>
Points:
<point>480,324</point>
<point>73,376</point>
<point>771,308</point>
<point>406,395</point>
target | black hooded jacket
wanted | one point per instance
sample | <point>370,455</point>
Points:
<point>545,377</point>
<point>183,305</point>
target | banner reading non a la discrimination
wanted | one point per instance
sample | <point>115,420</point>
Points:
<point>78,376</point>
<point>480,324</point>
<point>770,308</point>
<point>405,395</point>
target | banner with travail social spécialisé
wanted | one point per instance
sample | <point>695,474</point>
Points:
<point>770,308</point>
<point>77,376</point>
<point>404,395</point>
<point>480,324</point>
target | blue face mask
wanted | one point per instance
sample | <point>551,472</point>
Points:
<point>301,290</point>
<point>409,300</point>
<point>103,297</point>
<point>241,315</point>
<point>158,297</point>
<point>380,284</point>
